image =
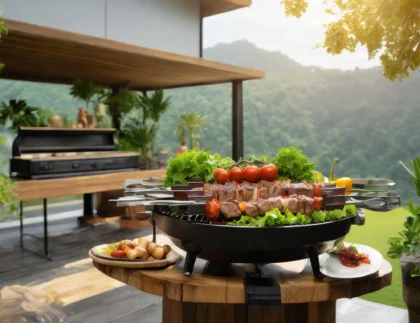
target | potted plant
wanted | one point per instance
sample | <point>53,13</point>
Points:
<point>87,91</point>
<point>407,247</point>
<point>17,114</point>
<point>137,135</point>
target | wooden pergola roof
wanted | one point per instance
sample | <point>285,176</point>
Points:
<point>41,54</point>
<point>214,7</point>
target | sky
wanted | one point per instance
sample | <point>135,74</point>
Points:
<point>266,25</point>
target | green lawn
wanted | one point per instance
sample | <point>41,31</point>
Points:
<point>375,233</point>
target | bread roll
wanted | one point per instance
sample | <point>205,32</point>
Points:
<point>151,247</point>
<point>133,254</point>
<point>142,253</point>
<point>158,253</point>
<point>166,249</point>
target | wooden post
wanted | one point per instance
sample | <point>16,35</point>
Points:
<point>237,121</point>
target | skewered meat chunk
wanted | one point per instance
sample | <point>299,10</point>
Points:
<point>211,190</point>
<point>301,205</point>
<point>278,202</point>
<point>293,205</point>
<point>239,194</point>
<point>230,210</point>
<point>264,206</point>
<point>264,192</point>
<point>278,191</point>
<point>251,209</point>
<point>309,206</point>
<point>245,183</point>
<point>227,193</point>
<point>290,189</point>
<point>248,192</point>
<point>264,183</point>
<point>304,189</point>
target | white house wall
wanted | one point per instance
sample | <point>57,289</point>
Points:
<point>169,25</point>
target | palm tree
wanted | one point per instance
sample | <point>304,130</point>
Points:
<point>138,134</point>
<point>180,131</point>
<point>193,123</point>
<point>153,107</point>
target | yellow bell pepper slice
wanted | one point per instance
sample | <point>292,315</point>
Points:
<point>346,182</point>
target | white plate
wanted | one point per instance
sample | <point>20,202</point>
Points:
<point>332,267</point>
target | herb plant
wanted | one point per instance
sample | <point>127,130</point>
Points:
<point>409,240</point>
<point>86,91</point>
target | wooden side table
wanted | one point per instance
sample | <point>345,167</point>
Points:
<point>218,299</point>
<point>42,189</point>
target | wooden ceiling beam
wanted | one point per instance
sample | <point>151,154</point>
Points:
<point>214,7</point>
<point>41,54</point>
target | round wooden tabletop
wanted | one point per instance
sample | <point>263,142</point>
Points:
<point>297,283</point>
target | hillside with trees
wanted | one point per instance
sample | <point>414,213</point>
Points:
<point>365,120</point>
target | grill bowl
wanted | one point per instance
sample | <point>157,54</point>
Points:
<point>230,244</point>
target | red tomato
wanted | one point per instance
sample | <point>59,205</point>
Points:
<point>236,175</point>
<point>252,174</point>
<point>269,172</point>
<point>118,254</point>
<point>221,176</point>
<point>317,190</point>
<point>318,203</point>
<point>212,210</point>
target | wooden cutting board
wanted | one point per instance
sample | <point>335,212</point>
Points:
<point>171,258</point>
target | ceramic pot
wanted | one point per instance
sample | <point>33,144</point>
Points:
<point>91,121</point>
<point>56,121</point>
<point>411,287</point>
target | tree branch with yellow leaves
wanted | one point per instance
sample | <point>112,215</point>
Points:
<point>388,28</point>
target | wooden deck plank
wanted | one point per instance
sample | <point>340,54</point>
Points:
<point>24,268</point>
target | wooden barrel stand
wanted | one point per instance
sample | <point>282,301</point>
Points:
<point>179,312</point>
<point>206,297</point>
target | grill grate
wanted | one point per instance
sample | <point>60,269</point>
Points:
<point>182,213</point>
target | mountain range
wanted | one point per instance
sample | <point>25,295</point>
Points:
<point>358,116</point>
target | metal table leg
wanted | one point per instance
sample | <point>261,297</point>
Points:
<point>45,229</point>
<point>45,239</point>
<point>21,224</point>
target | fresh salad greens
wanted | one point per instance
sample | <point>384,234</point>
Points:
<point>193,164</point>
<point>274,218</point>
<point>293,164</point>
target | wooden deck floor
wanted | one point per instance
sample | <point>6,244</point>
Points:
<point>78,291</point>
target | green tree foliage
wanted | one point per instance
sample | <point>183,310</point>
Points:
<point>3,31</point>
<point>17,114</point>
<point>389,28</point>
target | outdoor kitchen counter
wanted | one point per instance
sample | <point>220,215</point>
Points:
<point>217,299</point>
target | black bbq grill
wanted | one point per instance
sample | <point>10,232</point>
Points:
<point>188,228</point>
<point>40,153</point>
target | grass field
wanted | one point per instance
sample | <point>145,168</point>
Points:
<point>375,233</point>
